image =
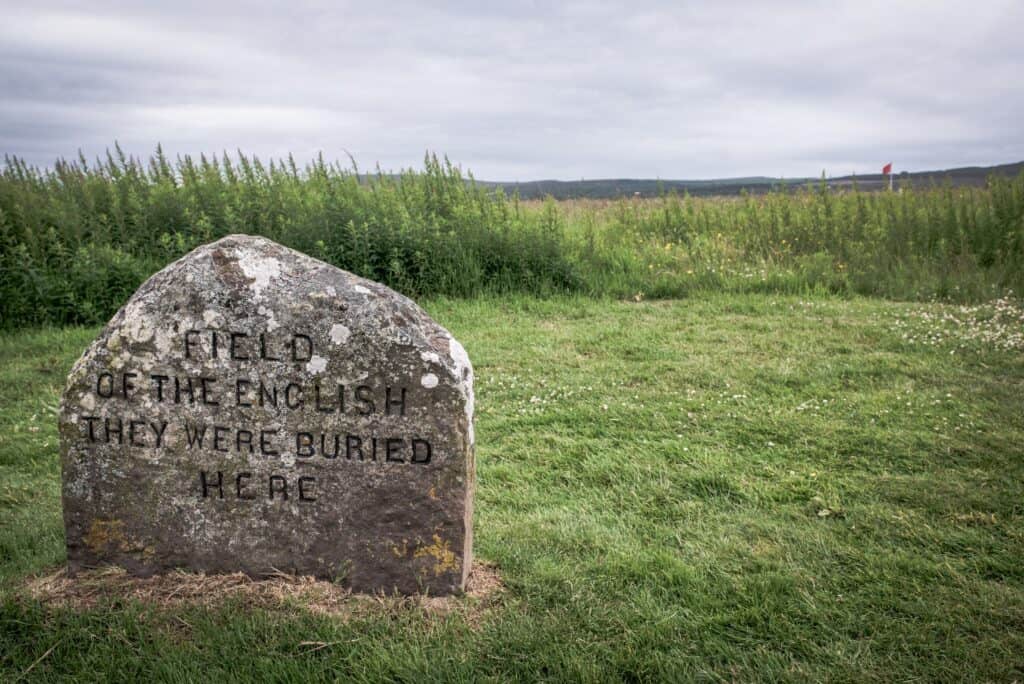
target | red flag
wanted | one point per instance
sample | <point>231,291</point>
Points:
<point>887,169</point>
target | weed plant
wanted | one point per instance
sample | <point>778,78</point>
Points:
<point>77,239</point>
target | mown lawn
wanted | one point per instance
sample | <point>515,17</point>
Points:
<point>730,488</point>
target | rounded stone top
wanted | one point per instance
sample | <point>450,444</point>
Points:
<point>263,287</point>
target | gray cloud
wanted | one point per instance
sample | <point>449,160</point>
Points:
<point>523,90</point>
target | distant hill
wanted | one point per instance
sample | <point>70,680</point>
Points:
<point>965,175</point>
<point>628,187</point>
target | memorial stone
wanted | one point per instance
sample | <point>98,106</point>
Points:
<point>253,409</point>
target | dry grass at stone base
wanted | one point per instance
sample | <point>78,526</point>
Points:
<point>279,591</point>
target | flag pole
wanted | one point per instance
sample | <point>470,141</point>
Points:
<point>890,180</point>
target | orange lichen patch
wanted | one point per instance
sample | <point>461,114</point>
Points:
<point>441,552</point>
<point>281,591</point>
<point>109,535</point>
<point>104,534</point>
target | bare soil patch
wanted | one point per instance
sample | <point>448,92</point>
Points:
<point>280,591</point>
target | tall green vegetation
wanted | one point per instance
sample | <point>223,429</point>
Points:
<point>77,239</point>
<point>960,244</point>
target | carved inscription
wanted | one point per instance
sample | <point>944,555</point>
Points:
<point>251,391</point>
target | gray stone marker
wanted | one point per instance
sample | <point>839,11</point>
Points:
<point>251,408</point>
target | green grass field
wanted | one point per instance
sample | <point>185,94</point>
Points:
<point>736,487</point>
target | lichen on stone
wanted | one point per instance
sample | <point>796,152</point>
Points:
<point>253,409</point>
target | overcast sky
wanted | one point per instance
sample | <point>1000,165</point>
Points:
<point>520,90</point>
